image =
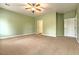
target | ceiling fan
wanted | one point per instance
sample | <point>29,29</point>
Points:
<point>34,7</point>
<point>30,6</point>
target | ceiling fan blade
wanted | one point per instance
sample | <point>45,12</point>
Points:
<point>37,5</point>
<point>29,4</point>
<point>27,8</point>
<point>38,9</point>
<point>7,4</point>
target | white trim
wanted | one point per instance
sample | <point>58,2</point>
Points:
<point>48,35</point>
<point>78,40</point>
<point>71,36</point>
<point>15,36</point>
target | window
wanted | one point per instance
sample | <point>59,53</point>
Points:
<point>70,27</point>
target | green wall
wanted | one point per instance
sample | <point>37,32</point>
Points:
<point>49,23</point>
<point>12,23</point>
<point>59,24</point>
<point>53,24</point>
<point>70,14</point>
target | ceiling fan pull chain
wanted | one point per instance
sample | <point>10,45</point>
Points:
<point>33,11</point>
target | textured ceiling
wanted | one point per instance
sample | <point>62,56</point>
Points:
<point>49,7</point>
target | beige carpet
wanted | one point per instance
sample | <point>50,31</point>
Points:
<point>39,45</point>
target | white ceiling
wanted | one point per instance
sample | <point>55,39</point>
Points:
<point>51,7</point>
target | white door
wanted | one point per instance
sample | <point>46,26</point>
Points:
<point>39,26</point>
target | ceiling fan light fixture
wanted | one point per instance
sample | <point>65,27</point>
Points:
<point>34,7</point>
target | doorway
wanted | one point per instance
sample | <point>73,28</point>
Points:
<point>39,26</point>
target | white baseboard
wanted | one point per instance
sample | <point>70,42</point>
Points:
<point>49,35</point>
<point>78,40</point>
<point>15,36</point>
